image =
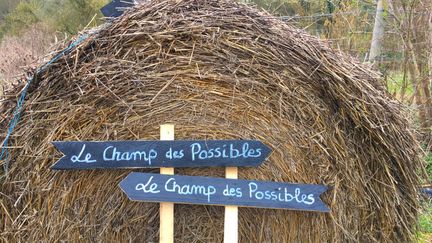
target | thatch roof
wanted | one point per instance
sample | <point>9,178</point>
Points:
<point>218,70</point>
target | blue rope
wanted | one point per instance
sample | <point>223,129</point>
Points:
<point>17,113</point>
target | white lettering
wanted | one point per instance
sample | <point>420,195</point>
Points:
<point>172,186</point>
<point>87,158</point>
<point>225,151</point>
<point>110,153</point>
<point>145,187</point>
<point>280,195</point>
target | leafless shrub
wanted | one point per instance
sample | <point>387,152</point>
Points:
<point>19,52</point>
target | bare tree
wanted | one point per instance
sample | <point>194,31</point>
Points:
<point>428,81</point>
<point>411,23</point>
<point>430,46</point>
<point>378,33</point>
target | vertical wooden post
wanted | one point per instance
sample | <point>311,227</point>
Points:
<point>231,212</point>
<point>166,211</point>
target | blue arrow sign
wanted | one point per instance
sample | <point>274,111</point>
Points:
<point>151,187</point>
<point>116,8</point>
<point>149,154</point>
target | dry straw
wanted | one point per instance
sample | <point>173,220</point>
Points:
<point>218,70</point>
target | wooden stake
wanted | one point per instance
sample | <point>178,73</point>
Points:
<point>231,212</point>
<point>166,211</point>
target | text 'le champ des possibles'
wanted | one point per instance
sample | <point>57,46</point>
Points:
<point>197,152</point>
<point>253,191</point>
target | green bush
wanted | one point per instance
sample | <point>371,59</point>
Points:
<point>71,16</point>
<point>425,219</point>
<point>67,16</point>
<point>23,16</point>
<point>425,224</point>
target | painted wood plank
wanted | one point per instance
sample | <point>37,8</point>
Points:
<point>116,8</point>
<point>152,187</point>
<point>80,155</point>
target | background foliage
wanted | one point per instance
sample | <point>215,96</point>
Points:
<point>29,27</point>
<point>66,16</point>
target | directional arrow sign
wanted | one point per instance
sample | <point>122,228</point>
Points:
<point>151,187</point>
<point>147,154</point>
<point>116,7</point>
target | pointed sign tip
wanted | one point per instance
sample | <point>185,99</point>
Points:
<point>266,152</point>
<point>58,166</point>
<point>55,167</point>
<point>55,143</point>
<point>123,184</point>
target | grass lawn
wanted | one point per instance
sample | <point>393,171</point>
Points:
<point>425,224</point>
<point>425,220</point>
<point>395,84</point>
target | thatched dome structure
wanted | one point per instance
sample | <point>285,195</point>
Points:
<point>217,70</point>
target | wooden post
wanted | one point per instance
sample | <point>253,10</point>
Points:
<point>166,230</point>
<point>231,212</point>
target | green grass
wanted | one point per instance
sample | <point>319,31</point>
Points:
<point>425,238</point>
<point>425,219</point>
<point>425,224</point>
<point>395,83</point>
